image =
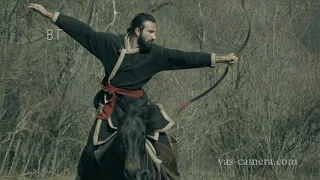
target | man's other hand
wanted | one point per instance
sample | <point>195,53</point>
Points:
<point>40,9</point>
<point>231,58</point>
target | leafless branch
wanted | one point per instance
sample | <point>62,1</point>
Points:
<point>91,11</point>
<point>115,13</point>
<point>12,12</point>
<point>160,6</point>
<point>202,32</point>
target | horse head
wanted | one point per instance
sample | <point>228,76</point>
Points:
<point>132,138</point>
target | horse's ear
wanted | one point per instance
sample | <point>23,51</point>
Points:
<point>133,110</point>
<point>119,113</point>
<point>142,112</point>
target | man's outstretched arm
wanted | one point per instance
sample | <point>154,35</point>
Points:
<point>175,59</point>
<point>93,41</point>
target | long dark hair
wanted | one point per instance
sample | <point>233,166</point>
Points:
<point>138,20</point>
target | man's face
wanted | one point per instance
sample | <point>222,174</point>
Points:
<point>148,33</point>
<point>147,36</point>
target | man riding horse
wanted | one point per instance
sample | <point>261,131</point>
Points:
<point>130,60</point>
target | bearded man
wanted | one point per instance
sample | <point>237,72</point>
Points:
<point>130,60</point>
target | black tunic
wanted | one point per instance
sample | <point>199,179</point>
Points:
<point>135,71</point>
<point>138,68</point>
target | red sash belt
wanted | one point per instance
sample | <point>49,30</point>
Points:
<point>108,107</point>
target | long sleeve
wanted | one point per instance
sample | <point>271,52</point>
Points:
<point>94,42</point>
<point>175,59</point>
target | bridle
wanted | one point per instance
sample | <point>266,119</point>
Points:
<point>237,53</point>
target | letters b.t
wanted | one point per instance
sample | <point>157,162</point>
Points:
<point>50,34</point>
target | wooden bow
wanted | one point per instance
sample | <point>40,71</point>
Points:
<point>186,104</point>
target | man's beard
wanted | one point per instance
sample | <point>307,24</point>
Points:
<point>144,46</point>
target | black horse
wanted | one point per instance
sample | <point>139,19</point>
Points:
<point>125,156</point>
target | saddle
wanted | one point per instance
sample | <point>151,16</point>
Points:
<point>162,156</point>
<point>168,157</point>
